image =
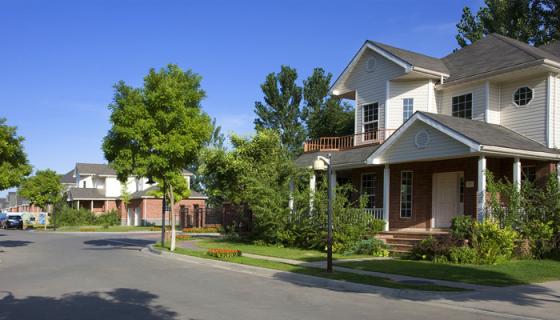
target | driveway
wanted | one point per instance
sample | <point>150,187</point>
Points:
<point>89,276</point>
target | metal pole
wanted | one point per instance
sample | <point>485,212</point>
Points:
<point>330,217</point>
<point>163,217</point>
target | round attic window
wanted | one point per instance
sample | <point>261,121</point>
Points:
<point>371,62</point>
<point>422,139</point>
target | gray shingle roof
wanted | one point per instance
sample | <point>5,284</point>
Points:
<point>414,58</point>
<point>86,194</point>
<point>489,134</point>
<point>147,193</point>
<point>353,156</point>
<point>95,168</point>
<point>552,47</point>
<point>492,53</point>
<point>68,177</point>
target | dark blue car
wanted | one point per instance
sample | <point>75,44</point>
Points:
<point>13,221</point>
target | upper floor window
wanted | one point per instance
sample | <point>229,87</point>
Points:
<point>462,106</point>
<point>84,184</point>
<point>371,120</point>
<point>408,108</point>
<point>523,96</point>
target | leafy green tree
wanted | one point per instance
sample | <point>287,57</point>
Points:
<point>325,115</point>
<point>13,160</point>
<point>158,130</point>
<point>43,189</point>
<point>217,141</point>
<point>281,108</point>
<point>530,21</point>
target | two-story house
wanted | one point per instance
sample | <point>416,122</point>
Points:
<point>428,129</point>
<point>95,187</point>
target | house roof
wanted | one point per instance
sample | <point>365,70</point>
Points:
<point>552,47</point>
<point>147,193</point>
<point>492,53</point>
<point>68,178</point>
<point>354,156</point>
<point>414,58</point>
<point>86,194</point>
<point>488,134</point>
<point>104,169</point>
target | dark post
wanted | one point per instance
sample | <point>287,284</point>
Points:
<point>163,217</point>
<point>330,217</point>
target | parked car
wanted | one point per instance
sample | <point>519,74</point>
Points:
<point>13,221</point>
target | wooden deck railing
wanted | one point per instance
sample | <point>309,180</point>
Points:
<point>346,142</point>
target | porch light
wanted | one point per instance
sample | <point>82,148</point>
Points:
<point>319,164</point>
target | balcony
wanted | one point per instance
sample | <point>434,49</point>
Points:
<point>347,142</point>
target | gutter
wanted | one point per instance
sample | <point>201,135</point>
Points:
<point>518,152</point>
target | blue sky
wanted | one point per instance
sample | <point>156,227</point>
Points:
<point>60,59</point>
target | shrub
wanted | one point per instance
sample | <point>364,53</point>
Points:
<point>201,230</point>
<point>464,254</point>
<point>432,247</point>
<point>539,234</point>
<point>376,226</point>
<point>183,237</point>
<point>112,218</point>
<point>372,246</point>
<point>492,243</point>
<point>461,227</point>
<point>223,253</point>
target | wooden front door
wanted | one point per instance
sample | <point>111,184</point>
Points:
<point>445,198</point>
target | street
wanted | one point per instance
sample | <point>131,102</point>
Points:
<point>100,276</point>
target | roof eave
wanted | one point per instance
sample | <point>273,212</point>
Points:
<point>539,155</point>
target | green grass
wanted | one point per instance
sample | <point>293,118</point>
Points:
<point>510,273</point>
<point>102,229</point>
<point>273,251</point>
<point>342,276</point>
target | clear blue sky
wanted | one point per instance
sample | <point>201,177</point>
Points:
<point>59,59</point>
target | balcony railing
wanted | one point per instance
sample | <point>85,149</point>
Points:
<point>347,142</point>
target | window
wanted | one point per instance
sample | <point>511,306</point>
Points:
<point>523,96</point>
<point>84,184</point>
<point>371,63</point>
<point>371,121</point>
<point>461,189</point>
<point>462,106</point>
<point>368,189</point>
<point>408,108</point>
<point>406,194</point>
<point>529,173</point>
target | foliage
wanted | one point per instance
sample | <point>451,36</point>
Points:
<point>433,247</point>
<point>280,110</point>
<point>463,255</point>
<point>111,218</point>
<point>492,243</point>
<point>183,237</point>
<point>461,227</point>
<point>158,130</point>
<point>531,21</point>
<point>43,189</point>
<point>376,226</point>
<point>371,246</point>
<point>201,230</point>
<point>223,253</point>
<point>13,160</point>
<point>324,115</point>
<point>66,216</point>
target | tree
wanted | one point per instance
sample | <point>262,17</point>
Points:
<point>217,140</point>
<point>158,130</point>
<point>43,190</point>
<point>532,21</point>
<point>324,115</point>
<point>13,160</point>
<point>281,108</point>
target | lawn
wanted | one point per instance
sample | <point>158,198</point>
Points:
<point>514,272</point>
<point>342,276</point>
<point>273,251</point>
<point>102,229</point>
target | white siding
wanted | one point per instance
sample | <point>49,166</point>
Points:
<point>417,90</point>
<point>371,86</point>
<point>529,120</point>
<point>478,96</point>
<point>494,112</point>
<point>440,146</point>
<point>557,113</point>
<point>88,181</point>
<point>112,187</point>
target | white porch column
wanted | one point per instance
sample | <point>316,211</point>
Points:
<point>481,191</point>
<point>91,206</point>
<point>517,173</point>
<point>558,171</point>
<point>386,195</point>
<point>312,188</point>
<point>78,204</point>
<point>291,199</point>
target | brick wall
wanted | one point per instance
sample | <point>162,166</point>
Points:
<point>151,209</point>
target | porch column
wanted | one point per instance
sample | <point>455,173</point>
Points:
<point>91,206</point>
<point>78,204</point>
<point>386,195</point>
<point>312,188</point>
<point>481,192</point>
<point>558,171</point>
<point>517,173</point>
<point>291,199</point>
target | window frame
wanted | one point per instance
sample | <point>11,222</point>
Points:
<point>362,192</point>
<point>405,111</point>
<point>373,134</point>
<point>411,194</point>
<point>471,106</point>
<point>529,102</point>
<point>524,177</point>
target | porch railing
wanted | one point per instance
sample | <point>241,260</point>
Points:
<point>377,213</point>
<point>346,142</point>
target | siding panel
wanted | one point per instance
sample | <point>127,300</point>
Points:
<point>478,96</point>
<point>418,90</point>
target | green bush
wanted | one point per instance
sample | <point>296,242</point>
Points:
<point>66,216</point>
<point>372,246</point>
<point>433,247</point>
<point>492,243</point>
<point>461,227</point>
<point>112,218</point>
<point>376,226</point>
<point>463,255</point>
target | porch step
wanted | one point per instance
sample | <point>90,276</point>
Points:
<point>402,242</point>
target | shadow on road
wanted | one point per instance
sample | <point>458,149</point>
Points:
<point>121,303</point>
<point>14,243</point>
<point>117,243</point>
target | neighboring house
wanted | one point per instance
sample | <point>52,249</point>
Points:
<point>17,203</point>
<point>95,187</point>
<point>428,129</point>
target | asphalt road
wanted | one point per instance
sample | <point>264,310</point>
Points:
<point>94,276</point>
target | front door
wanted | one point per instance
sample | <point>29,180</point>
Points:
<point>445,198</point>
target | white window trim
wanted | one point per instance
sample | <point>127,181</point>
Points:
<point>362,186</point>
<point>472,103</point>
<point>530,101</point>
<point>411,194</point>
<point>410,116</point>
<point>369,122</point>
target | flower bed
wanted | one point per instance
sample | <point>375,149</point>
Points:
<point>183,237</point>
<point>201,230</point>
<point>223,253</point>
<point>154,228</point>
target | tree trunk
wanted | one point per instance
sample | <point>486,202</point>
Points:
<point>172,214</point>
